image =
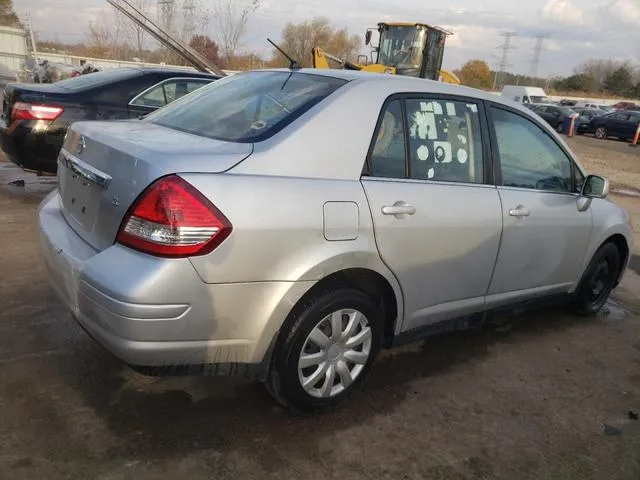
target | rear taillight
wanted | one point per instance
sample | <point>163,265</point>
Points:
<point>29,111</point>
<point>173,219</point>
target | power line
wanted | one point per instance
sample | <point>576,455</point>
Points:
<point>505,47</point>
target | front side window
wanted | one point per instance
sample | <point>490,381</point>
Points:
<point>529,158</point>
<point>619,116</point>
<point>247,107</point>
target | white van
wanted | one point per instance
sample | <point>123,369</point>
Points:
<point>522,94</point>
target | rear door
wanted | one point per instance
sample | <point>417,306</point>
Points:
<point>437,220</point>
<point>545,235</point>
<point>163,93</point>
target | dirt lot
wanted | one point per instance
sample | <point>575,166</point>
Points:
<point>541,396</point>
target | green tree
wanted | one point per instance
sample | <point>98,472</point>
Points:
<point>635,91</point>
<point>8,16</point>
<point>475,73</point>
<point>580,82</point>
<point>620,81</point>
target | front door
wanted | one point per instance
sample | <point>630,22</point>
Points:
<point>437,223</point>
<point>545,236</point>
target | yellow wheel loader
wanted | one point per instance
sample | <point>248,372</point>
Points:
<point>413,49</point>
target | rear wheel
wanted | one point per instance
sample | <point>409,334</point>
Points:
<point>601,133</point>
<point>598,281</point>
<point>325,350</point>
<point>560,128</point>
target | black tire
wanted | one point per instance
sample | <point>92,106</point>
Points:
<point>560,128</point>
<point>603,133</point>
<point>283,381</point>
<point>598,281</point>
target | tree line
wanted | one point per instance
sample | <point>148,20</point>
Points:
<point>595,76</point>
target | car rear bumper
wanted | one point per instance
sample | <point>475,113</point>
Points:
<point>158,312</point>
<point>30,148</point>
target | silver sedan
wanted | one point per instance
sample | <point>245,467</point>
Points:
<point>287,225</point>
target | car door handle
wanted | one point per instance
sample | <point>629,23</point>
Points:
<point>519,211</point>
<point>398,208</point>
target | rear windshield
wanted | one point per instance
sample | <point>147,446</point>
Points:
<point>247,107</point>
<point>97,79</point>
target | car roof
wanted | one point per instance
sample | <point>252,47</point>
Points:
<point>402,83</point>
<point>170,70</point>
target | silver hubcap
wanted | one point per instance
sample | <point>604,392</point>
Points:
<point>600,133</point>
<point>335,353</point>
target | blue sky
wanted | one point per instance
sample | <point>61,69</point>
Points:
<point>577,29</point>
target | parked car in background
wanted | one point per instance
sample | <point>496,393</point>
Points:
<point>586,115</point>
<point>621,124</point>
<point>607,108</point>
<point>35,117</point>
<point>623,106</point>
<point>554,115</point>
<point>220,236</point>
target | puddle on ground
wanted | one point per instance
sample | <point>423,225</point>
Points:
<point>613,311</point>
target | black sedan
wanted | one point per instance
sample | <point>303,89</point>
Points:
<point>586,115</point>
<point>35,117</point>
<point>554,115</point>
<point>622,124</point>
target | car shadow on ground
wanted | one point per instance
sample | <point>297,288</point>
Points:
<point>161,418</point>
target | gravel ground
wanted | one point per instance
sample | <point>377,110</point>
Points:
<point>612,159</point>
<point>543,395</point>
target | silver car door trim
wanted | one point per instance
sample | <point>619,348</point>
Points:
<point>398,208</point>
<point>82,169</point>
<point>519,211</point>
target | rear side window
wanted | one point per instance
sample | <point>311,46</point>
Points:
<point>247,107</point>
<point>442,139</point>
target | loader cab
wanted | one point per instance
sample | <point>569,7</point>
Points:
<point>414,49</point>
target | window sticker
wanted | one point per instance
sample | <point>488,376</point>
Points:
<point>462,156</point>
<point>423,126</point>
<point>451,109</point>
<point>423,152</point>
<point>442,152</point>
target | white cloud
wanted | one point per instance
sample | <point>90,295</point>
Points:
<point>565,12</point>
<point>625,12</point>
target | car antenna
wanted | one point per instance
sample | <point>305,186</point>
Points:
<point>293,65</point>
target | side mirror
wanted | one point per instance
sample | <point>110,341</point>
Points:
<point>367,37</point>
<point>595,187</point>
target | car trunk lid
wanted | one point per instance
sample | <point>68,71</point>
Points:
<point>36,94</point>
<point>105,166</point>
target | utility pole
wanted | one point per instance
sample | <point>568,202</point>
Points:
<point>188,19</point>
<point>34,50</point>
<point>165,14</point>
<point>537,51</point>
<point>165,17</point>
<point>505,47</point>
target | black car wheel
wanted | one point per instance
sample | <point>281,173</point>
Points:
<point>601,133</point>
<point>598,281</point>
<point>325,349</point>
<point>560,128</point>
